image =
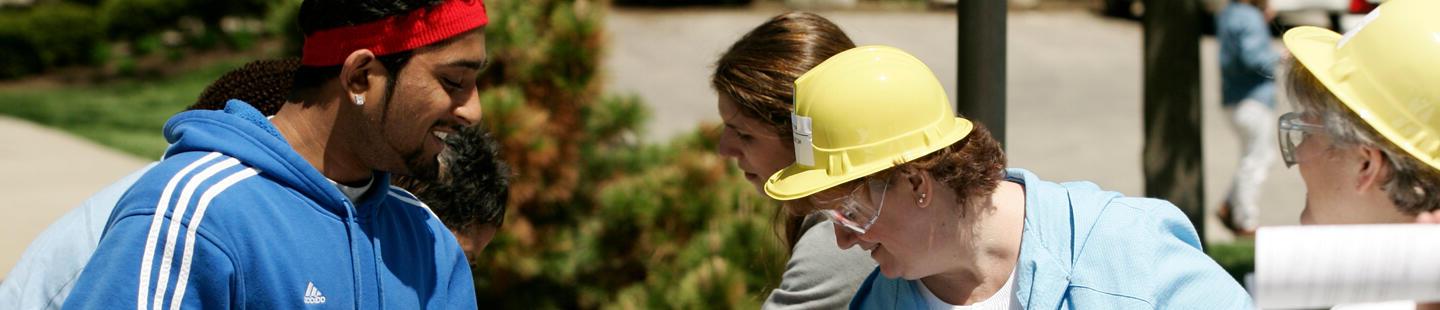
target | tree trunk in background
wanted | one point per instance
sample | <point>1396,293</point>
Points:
<point>1173,162</point>
<point>981,94</point>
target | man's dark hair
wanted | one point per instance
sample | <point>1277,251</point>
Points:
<point>317,15</point>
<point>474,185</point>
<point>261,83</point>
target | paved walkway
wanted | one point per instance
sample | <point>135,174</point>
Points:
<point>46,173</point>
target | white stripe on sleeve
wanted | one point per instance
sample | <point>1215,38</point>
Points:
<point>160,207</point>
<point>195,220</point>
<point>166,259</point>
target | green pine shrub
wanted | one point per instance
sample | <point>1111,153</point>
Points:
<point>599,219</point>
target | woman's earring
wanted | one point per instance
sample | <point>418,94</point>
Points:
<point>359,99</point>
<point>922,199</point>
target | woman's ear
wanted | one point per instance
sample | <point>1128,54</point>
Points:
<point>1374,168</point>
<point>921,184</point>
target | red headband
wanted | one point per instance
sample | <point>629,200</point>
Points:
<point>394,34</point>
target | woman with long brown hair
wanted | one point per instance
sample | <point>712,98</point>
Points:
<point>755,80</point>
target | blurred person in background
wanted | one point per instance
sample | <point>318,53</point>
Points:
<point>754,81</point>
<point>880,151</point>
<point>1247,84</point>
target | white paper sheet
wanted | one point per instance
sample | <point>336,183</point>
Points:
<point>1322,266</point>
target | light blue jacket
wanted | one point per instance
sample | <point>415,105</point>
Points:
<point>47,270</point>
<point>1085,248</point>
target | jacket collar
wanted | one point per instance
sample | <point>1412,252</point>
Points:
<point>1043,272</point>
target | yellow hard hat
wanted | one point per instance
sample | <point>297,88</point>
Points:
<point>862,111</point>
<point>1386,70</point>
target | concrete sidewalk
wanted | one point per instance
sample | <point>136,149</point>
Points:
<point>43,174</point>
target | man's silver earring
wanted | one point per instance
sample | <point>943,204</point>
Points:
<point>359,99</point>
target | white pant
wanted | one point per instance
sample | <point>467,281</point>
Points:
<point>1255,122</point>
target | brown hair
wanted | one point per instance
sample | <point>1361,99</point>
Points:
<point>972,167</point>
<point>1413,186</point>
<point>758,72</point>
<point>264,84</point>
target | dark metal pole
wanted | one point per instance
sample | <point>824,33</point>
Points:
<point>1173,162</point>
<point>980,96</point>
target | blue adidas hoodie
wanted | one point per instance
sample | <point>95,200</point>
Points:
<point>235,218</point>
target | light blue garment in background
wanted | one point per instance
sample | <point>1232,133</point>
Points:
<point>48,268</point>
<point>1085,248</point>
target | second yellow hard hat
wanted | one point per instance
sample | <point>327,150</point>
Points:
<point>1386,70</point>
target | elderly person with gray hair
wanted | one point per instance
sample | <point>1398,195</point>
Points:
<point>1366,138</point>
<point>1367,134</point>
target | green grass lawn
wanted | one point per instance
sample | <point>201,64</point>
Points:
<point>125,114</point>
<point>1238,257</point>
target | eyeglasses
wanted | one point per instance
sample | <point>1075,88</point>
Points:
<point>1293,131</point>
<point>850,212</point>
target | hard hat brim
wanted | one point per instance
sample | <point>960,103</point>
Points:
<point>1314,48</point>
<point>800,181</point>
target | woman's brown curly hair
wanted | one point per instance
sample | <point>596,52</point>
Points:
<point>972,167</point>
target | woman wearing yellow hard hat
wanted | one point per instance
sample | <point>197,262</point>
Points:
<point>879,150</point>
<point>1367,133</point>
<point>754,81</point>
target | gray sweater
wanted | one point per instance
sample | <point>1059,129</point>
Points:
<point>820,275</point>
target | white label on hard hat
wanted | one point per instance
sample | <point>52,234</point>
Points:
<point>1351,34</point>
<point>804,147</point>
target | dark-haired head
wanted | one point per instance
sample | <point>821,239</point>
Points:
<point>389,78</point>
<point>264,84</point>
<point>470,195</point>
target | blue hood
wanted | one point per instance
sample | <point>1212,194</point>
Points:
<point>242,132</point>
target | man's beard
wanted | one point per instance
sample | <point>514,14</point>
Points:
<point>424,168</point>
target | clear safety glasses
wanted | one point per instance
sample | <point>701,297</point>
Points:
<point>858,210</point>
<point>1293,131</point>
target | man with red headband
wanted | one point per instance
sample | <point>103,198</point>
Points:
<point>297,210</point>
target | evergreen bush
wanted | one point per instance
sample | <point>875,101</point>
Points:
<point>599,219</point>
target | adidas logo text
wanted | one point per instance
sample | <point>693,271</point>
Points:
<point>312,295</point>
